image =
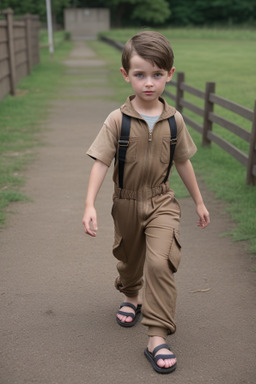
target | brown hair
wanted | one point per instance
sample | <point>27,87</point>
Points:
<point>150,45</point>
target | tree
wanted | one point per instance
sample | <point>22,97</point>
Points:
<point>130,12</point>
<point>150,12</point>
<point>19,7</point>
<point>36,7</point>
<point>156,12</point>
<point>201,12</point>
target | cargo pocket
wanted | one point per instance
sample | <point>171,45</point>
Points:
<point>165,150</point>
<point>175,251</point>
<point>118,249</point>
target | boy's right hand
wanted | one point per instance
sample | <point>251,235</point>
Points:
<point>90,221</point>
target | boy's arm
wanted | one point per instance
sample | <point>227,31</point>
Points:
<point>187,174</point>
<point>97,176</point>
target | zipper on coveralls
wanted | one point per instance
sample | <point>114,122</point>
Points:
<point>150,132</point>
<point>148,151</point>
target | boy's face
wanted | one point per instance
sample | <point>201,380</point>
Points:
<point>147,80</point>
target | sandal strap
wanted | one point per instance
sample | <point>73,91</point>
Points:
<point>161,346</point>
<point>128,314</point>
<point>130,305</point>
<point>164,357</point>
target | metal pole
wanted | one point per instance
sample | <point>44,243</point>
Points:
<point>49,24</point>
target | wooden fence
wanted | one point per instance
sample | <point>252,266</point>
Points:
<point>19,50</point>
<point>209,118</point>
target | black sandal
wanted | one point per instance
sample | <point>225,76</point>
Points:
<point>135,316</point>
<point>152,358</point>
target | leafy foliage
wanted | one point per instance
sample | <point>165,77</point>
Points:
<point>154,13</point>
<point>201,12</point>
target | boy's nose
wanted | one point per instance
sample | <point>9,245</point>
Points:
<point>149,81</point>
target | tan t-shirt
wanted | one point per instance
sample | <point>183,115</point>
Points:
<point>148,155</point>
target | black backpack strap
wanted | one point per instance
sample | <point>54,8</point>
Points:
<point>123,145</point>
<point>173,141</point>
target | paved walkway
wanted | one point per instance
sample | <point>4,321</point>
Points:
<point>57,299</point>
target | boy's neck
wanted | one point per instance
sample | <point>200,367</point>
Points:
<point>148,108</point>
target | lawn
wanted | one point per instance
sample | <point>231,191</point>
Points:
<point>228,58</point>
<point>225,56</point>
<point>21,121</point>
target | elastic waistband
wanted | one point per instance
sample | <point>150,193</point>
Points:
<point>144,193</point>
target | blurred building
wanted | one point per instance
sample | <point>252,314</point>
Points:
<point>86,23</point>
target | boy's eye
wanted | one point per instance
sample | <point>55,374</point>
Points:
<point>139,75</point>
<point>158,75</point>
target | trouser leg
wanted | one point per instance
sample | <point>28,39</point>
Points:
<point>129,246</point>
<point>162,258</point>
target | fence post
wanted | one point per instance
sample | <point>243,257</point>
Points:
<point>251,166</point>
<point>27,19</point>
<point>208,107</point>
<point>179,94</point>
<point>9,19</point>
<point>35,48</point>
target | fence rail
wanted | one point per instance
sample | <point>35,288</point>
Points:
<point>19,50</point>
<point>209,118</point>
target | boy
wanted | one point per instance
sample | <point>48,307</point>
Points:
<point>145,212</point>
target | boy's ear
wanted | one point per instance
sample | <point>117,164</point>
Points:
<point>170,74</point>
<point>125,74</point>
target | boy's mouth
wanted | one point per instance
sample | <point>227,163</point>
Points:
<point>148,93</point>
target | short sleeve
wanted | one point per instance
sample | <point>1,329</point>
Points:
<point>104,146</point>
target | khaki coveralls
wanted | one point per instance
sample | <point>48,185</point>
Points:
<point>146,214</point>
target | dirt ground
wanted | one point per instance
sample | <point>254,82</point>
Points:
<point>57,298</point>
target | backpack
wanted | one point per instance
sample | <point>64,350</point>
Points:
<point>124,143</point>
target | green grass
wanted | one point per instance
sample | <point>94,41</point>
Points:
<point>21,118</point>
<point>58,38</point>
<point>188,33</point>
<point>228,58</point>
<point>224,56</point>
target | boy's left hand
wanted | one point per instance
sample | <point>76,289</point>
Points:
<point>204,217</point>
